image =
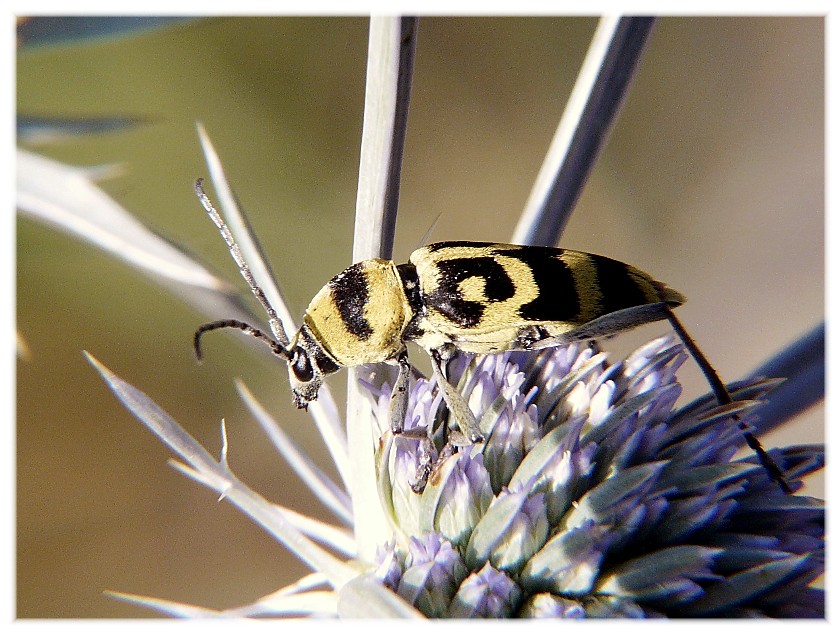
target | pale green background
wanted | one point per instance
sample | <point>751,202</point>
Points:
<point>713,181</point>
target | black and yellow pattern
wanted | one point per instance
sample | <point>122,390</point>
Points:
<point>480,297</point>
<point>486,297</point>
<point>361,314</point>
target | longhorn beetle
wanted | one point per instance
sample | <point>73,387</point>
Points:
<point>477,297</point>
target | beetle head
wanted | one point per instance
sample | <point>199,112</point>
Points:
<point>308,363</point>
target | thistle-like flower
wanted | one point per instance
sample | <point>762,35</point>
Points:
<point>593,497</point>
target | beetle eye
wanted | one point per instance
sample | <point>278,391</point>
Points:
<point>301,366</point>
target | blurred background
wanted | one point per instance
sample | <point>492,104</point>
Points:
<point>712,181</point>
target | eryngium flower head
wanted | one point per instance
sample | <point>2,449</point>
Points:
<point>592,497</point>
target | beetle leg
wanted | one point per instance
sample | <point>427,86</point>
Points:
<point>455,402</point>
<point>424,465</point>
<point>399,395</point>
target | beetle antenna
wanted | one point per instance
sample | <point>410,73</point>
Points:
<point>427,236</point>
<point>273,320</point>
<point>248,329</point>
<point>724,398</point>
